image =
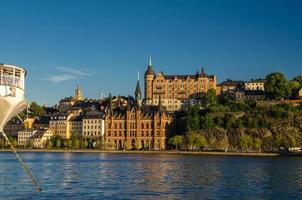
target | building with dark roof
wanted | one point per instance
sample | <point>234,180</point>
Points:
<point>40,137</point>
<point>229,86</point>
<point>255,84</point>
<point>173,89</point>
<point>93,124</point>
<point>137,126</point>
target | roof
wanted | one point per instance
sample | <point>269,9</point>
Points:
<point>76,118</point>
<point>42,120</point>
<point>39,133</point>
<point>230,83</point>
<point>138,88</point>
<point>149,71</point>
<point>257,81</point>
<point>93,114</point>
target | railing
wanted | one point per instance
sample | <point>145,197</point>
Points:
<point>12,81</point>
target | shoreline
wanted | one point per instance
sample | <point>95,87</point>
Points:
<point>205,153</point>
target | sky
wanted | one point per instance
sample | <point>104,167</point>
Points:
<point>100,45</point>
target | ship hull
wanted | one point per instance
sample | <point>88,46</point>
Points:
<point>10,107</point>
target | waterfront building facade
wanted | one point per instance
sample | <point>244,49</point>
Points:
<point>137,126</point>
<point>173,89</point>
<point>59,124</point>
<point>24,136</point>
<point>75,126</point>
<point>93,125</point>
<point>40,137</point>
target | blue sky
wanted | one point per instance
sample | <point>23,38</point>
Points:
<point>101,44</point>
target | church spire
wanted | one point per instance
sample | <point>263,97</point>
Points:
<point>138,92</point>
<point>149,70</point>
<point>150,60</point>
<point>78,94</point>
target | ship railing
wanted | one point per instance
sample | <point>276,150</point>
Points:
<point>8,80</point>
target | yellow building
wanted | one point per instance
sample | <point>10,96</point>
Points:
<point>40,137</point>
<point>60,124</point>
<point>257,84</point>
<point>300,94</point>
<point>229,86</point>
<point>66,103</point>
<point>93,125</point>
<point>173,89</point>
<point>75,126</point>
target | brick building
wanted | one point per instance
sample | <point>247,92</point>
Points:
<point>137,126</point>
<point>173,89</point>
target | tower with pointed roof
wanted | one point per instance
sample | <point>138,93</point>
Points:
<point>149,77</point>
<point>78,94</point>
<point>138,94</point>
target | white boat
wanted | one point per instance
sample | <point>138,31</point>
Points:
<point>12,87</point>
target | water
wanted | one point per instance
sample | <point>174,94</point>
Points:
<point>140,176</point>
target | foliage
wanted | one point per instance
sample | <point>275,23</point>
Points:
<point>277,86</point>
<point>36,110</point>
<point>176,141</point>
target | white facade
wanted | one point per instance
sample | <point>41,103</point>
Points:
<point>24,136</point>
<point>93,128</point>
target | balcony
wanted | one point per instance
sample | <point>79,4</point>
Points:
<point>12,76</point>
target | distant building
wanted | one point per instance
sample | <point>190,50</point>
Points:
<point>93,125</point>
<point>254,95</point>
<point>13,127</point>
<point>59,124</point>
<point>229,86</point>
<point>40,137</point>
<point>41,122</point>
<point>173,89</point>
<point>137,126</point>
<point>75,126</point>
<point>24,136</point>
<point>300,94</point>
<point>68,102</point>
<point>257,84</point>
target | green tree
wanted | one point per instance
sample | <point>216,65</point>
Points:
<point>58,143</point>
<point>84,144</point>
<point>176,141</point>
<point>75,143</point>
<point>69,143</point>
<point>48,144</point>
<point>245,142</point>
<point>200,141</point>
<point>257,144</point>
<point>30,143</point>
<point>99,144</point>
<point>36,110</point>
<point>206,122</point>
<point>277,86</point>
<point>193,118</point>
<point>209,99</point>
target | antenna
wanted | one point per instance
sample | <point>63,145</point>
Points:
<point>138,75</point>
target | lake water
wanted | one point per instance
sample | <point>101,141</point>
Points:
<point>144,176</point>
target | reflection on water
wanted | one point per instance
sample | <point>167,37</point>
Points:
<point>140,176</point>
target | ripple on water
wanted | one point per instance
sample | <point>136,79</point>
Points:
<point>136,176</point>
